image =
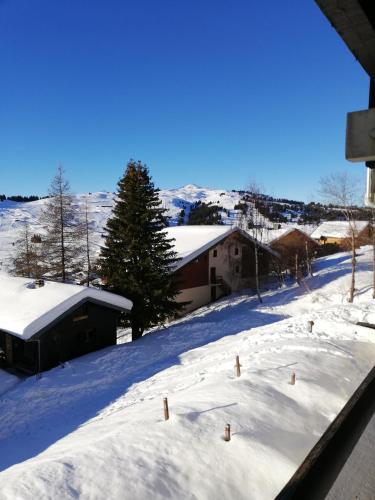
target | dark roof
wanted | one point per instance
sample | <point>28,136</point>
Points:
<point>354,21</point>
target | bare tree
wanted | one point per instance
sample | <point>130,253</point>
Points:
<point>27,258</point>
<point>87,242</point>
<point>63,240</point>
<point>342,191</point>
<point>254,223</point>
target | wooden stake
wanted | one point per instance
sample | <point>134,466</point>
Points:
<point>166,409</point>
<point>310,325</point>
<point>238,366</point>
<point>227,433</point>
<point>292,379</point>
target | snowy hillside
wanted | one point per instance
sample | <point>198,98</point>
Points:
<point>14,214</point>
<point>95,429</point>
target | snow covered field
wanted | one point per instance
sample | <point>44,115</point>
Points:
<point>95,429</point>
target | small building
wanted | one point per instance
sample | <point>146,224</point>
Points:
<point>337,233</point>
<point>292,243</point>
<point>215,261</point>
<point>43,323</point>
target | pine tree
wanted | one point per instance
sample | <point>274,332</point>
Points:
<point>63,241</point>
<point>137,258</point>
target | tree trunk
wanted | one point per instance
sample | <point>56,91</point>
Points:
<point>87,246</point>
<point>296,268</point>
<point>62,239</point>
<point>352,283</point>
<point>137,331</point>
<point>257,273</point>
<point>308,261</point>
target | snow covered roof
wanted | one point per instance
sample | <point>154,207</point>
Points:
<point>26,309</point>
<point>272,235</point>
<point>337,229</point>
<point>191,241</point>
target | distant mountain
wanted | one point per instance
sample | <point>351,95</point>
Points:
<point>14,214</point>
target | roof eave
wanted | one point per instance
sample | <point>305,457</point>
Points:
<point>355,23</point>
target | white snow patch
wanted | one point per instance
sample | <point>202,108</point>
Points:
<point>95,429</point>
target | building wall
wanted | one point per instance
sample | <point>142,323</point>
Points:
<point>197,297</point>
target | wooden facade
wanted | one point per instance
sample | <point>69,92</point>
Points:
<point>86,327</point>
<point>343,243</point>
<point>294,244</point>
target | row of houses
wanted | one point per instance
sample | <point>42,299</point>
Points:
<point>43,323</point>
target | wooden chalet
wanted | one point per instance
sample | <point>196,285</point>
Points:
<point>337,233</point>
<point>43,324</point>
<point>215,261</point>
<point>292,244</point>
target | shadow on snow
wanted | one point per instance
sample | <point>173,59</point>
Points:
<point>38,413</point>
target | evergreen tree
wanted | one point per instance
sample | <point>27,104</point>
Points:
<point>137,258</point>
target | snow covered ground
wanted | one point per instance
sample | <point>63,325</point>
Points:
<point>14,214</point>
<point>95,429</point>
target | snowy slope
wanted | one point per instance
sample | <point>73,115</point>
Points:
<point>100,205</point>
<point>95,429</point>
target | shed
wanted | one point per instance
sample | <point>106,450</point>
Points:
<point>43,323</point>
<point>215,261</point>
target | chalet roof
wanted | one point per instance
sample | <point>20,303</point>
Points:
<point>192,241</point>
<point>273,235</point>
<point>337,229</point>
<point>26,309</point>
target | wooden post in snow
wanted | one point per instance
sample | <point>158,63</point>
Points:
<point>166,409</point>
<point>227,433</point>
<point>310,325</point>
<point>292,379</point>
<point>238,366</point>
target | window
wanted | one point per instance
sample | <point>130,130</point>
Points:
<point>215,253</point>
<point>236,251</point>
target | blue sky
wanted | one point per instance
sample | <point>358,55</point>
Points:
<point>209,92</point>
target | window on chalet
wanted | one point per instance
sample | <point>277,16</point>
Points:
<point>236,251</point>
<point>215,253</point>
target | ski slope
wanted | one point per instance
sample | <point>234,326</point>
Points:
<point>95,429</point>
